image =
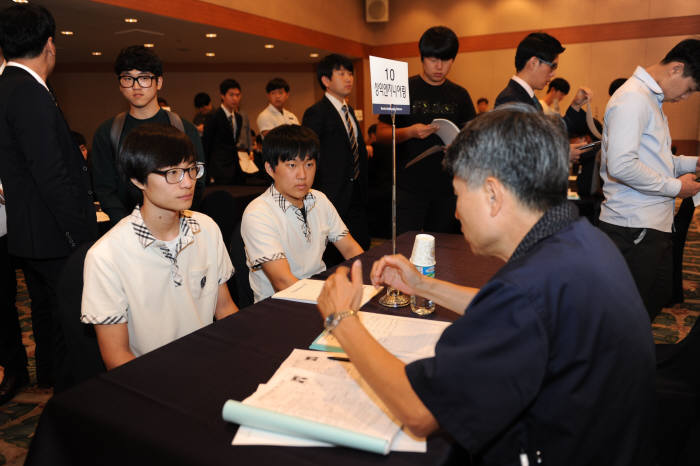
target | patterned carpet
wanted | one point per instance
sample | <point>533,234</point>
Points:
<point>19,417</point>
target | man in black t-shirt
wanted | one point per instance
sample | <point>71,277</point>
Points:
<point>425,199</point>
<point>140,74</point>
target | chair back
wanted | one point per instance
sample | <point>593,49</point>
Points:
<point>239,284</point>
<point>224,209</point>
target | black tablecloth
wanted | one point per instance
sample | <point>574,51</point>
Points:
<point>165,407</point>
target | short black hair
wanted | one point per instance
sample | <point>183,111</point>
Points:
<point>438,42</point>
<point>537,44</point>
<point>287,142</point>
<point>482,99</point>
<point>559,84</point>
<point>138,57</point>
<point>277,83</point>
<point>153,146</point>
<point>615,85</point>
<point>687,52</point>
<point>227,84</point>
<point>201,99</point>
<point>24,30</point>
<point>372,129</point>
<point>329,63</point>
<point>78,138</point>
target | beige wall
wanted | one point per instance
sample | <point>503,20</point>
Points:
<point>409,18</point>
<point>595,65</point>
<point>88,99</point>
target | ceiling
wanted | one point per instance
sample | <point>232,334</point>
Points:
<point>99,27</point>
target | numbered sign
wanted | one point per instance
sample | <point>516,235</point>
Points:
<point>389,86</point>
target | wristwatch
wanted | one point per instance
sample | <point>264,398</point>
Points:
<point>334,318</point>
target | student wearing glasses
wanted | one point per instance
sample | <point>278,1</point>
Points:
<point>140,76</point>
<point>536,62</point>
<point>161,272</point>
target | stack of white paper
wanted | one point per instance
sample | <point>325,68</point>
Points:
<point>313,400</point>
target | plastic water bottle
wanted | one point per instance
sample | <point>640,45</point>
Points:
<point>419,305</point>
<point>423,259</point>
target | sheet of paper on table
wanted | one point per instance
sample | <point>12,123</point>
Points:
<point>341,407</point>
<point>307,291</point>
<point>407,338</point>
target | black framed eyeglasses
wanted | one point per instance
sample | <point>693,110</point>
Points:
<point>175,175</point>
<point>553,66</point>
<point>144,81</point>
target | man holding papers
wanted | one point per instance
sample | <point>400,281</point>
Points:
<point>553,359</point>
<point>286,228</point>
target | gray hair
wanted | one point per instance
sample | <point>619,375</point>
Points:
<point>525,150</point>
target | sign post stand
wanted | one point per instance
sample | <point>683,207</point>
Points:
<point>390,96</point>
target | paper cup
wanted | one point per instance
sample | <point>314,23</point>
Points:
<point>423,250</point>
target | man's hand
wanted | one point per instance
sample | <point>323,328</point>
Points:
<point>396,272</point>
<point>575,152</point>
<point>582,96</point>
<point>339,293</point>
<point>421,131</point>
<point>689,187</point>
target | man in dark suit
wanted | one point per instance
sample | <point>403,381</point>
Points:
<point>45,179</point>
<point>536,61</point>
<point>226,132</point>
<point>342,166</point>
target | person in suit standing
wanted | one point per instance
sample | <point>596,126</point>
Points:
<point>342,166</point>
<point>536,62</point>
<point>226,132</point>
<point>45,179</point>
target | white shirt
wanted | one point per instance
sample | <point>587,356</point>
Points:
<point>30,71</point>
<point>637,166</point>
<point>338,104</point>
<point>273,229</point>
<point>271,118</point>
<point>232,116</point>
<point>131,277</point>
<point>550,110</point>
<point>524,85</point>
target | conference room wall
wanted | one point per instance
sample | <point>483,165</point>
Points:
<point>594,65</point>
<point>409,18</point>
<point>87,99</point>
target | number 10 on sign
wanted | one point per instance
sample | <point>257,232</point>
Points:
<point>389,86</point>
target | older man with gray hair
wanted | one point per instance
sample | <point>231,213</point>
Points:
<point>553,358</point>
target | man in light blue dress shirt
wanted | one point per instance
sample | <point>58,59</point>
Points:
<point>641,177</point>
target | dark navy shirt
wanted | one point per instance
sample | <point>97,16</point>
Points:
<point>554,355</point>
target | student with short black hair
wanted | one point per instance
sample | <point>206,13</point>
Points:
<point>286,229</point>
<point>161,272</point>
<point>275,114</point>
<point>558,89</point>
<point>425,197</point>
<point>140,75</point>
<point>202,105</point>
<point>342,165</point>
<point>226,133</point>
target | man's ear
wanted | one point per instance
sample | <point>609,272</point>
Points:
<point>159,82</point>
<point>325,81</point>
<point>269,170</point>
<point>678,69</point>
<point>50,46</point>
<point>494,191</point>
<point>138,184</point>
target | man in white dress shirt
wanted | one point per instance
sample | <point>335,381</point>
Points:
<point>275,114</point>
<point>641,176</point>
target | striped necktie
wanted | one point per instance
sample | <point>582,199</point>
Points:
<point>353,144</point>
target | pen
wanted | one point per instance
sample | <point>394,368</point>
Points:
<point>338,358</point>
